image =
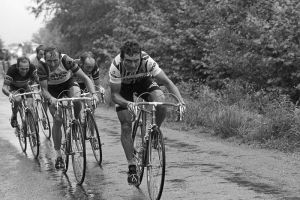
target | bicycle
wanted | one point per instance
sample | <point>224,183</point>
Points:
<point>74,144</point>
<point>27,126</point>
<point>42,119</point>
<point>149,145</point>
<point>90,128</point>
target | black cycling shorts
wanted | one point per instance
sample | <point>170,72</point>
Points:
<point>82,86</point>
<point>144,85</point>
<point>59,90</point>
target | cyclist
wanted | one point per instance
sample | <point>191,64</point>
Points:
<point>131,72</point>
<point>89,66</point>
<point>55,77</point>
<point>37,58</point>
<point>18,76</point>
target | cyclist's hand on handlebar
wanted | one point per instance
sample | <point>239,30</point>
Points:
<point>131,108</point>
<point>96,98</point>
<point>101,90</point>
<point>11,97</point>
<point>53,101</point>
<point>183,107</point>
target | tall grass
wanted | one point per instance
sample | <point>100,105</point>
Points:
<point>269,119</point>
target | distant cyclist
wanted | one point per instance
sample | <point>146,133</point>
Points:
<point>18,76</point>
<point>56,76</point>
<point>131,72</point>
<point>89,66</point>
<point>37,59</point>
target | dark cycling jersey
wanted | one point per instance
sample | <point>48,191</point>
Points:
<point>94,73</point>
<point>15,80</point>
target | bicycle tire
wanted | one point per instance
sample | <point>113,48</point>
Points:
<point>21,130</point>
<point>66,145</point>
<point>138,131</point>
<point>78,152</point>
<point>95,140</point>
<point>32,134</point>
<point>156,149</point>
<point>43,120</point>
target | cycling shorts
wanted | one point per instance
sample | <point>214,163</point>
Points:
<point>59,90</point>
<point>146,84</point>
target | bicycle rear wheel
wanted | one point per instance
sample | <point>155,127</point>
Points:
<point>78,152</point>
<point>43,120</point>
<point>21,130</point>
<point>32,134</point>
<point>156,164</point>
<point>139,130</point>
<point>91,130</point>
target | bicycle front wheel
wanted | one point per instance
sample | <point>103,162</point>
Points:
<point>21,130</point>
<point>92,134</point>
<point>32,134</point>
<point>78,152</point>
<point>156,164</point>
<point>139,148</point>
<point>43,120</point>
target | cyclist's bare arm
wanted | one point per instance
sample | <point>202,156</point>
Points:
<point>5,89</point>
<point>45,92</point>
<point>163,79</point>
<point>115,95</point>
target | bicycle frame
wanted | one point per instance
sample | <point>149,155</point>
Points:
<point>152,141</point>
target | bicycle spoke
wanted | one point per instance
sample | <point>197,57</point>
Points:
<point>78,153</point>
<point>32,134</point>
<point>156,165</point>
<point>94,138</point>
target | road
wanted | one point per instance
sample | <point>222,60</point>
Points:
<point>198,167</point>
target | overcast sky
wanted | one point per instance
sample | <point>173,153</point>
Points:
<point>17,24</point>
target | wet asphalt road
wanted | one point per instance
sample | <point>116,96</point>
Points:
<point>198,167</point>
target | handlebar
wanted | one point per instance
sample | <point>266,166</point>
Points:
<point>27,93</point>
<point>179,106</point>
<point>74,99</point>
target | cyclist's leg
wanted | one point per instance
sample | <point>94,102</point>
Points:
<point>126,140</point>
<point>57,123</point>
<point>82,88</point>
<point>156,94</point>
<point>14,109</point>
<point>74,91</point>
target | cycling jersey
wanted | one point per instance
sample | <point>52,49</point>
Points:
<point>147,67</point>
<point>61,74</point>
<point>94,74</point>
<point>16,81</point>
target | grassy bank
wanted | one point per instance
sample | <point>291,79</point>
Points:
<point>266,119</point>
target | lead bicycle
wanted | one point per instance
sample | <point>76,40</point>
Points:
<point>149,144</point>
<point>74,143</point>
<point>26,127</point>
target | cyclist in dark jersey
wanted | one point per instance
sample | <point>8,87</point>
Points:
<point>131,72</point>
<point>17,77</point>
<point>55,77</point>
<point>90,67</point>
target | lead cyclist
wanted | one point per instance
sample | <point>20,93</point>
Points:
<point>131,72</point>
